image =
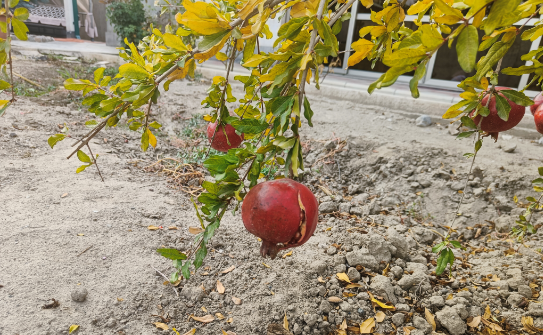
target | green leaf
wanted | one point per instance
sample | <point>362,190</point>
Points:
<point>249,126</point>
<point>174,42</point>
<point>537,181</point>
<point>501,9</point>
<point>145,141</point>
<point>531,199</point>
<point>53,140</point>
<point>82,168</point>
<point>414,83</point>
<point>466,48</point>
<point>442,261</point>
<point>465,134</point>
<point>155,125</point>
<point>21,13</point>
<point>12,3</point>
<point>456,244</point>
<point>540,171</point>
<point>517,97</point>
<point>199,257</point>
<point>4,85</point>
<point>484,111</point>
<point>519,71</point>
<point>283,142</point>
<point>438,247</point>
<point>308,112</point>
<point>280,105</point>
<point>133,71</point>
<point>503,107</point>
<point>19,29</point>
<point>174,277</point>
<point>185,270</point>
<point>91,123</point>
<point>77,84</point>
<point>172,254</point>
<point>212,40</point>
<point>99,74</point>
<point>83,157</point>
<point>327,35</point>
<point>496,52</point>
<point>468,122</point>
<point>478,145</point>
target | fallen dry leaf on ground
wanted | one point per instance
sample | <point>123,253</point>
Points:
<point>153,227</point>
<point>172,228</point>
<point>195,230</point>
<point>321,280</point>
<point>230,269</point>
<point>53,304</point>
<point>266,265</point>
<point>285,321</point>
<point>236,301</point>
<point>190,332</point>
<point>353,285</point>
<point>287,254</point>
<point>407,330</point>
<point>343,277</point>
<point>73,328</point>
<point>161,325</point>
<point>204,309</point>
<point>220,287</point>
<point>205,319</point>
<point>335,299</point>
<point>475,322</point>
<point>64,195</point>
<point>367,326</point>
<point>220,316</point>
<point>528,323</point>
<point>430,318</point>
<point>380,316</point>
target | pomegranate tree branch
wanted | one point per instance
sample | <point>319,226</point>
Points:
<point>95,163</point>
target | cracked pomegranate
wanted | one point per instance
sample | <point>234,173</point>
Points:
<point>538,100</point>
<point>283,213</point>
<point>225,137</point>
<point>492,123</point>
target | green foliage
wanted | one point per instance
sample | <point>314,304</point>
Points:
<point>445,254</point>
<point>128,20</point>
<point>523,224</point>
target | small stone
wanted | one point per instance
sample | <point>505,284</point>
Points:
<point>425,183</point>
<point>297,330</point>
<point>515,282</point>
<point>318,266</point>
<point>398,319</point>
<point>353,274</point>
<point>457,186</point>
<point>382,286</point>
<point>515,299</point>
<point>330,145</point>
<point>450,320</point>
<point>345,306</point>
<point>397,271</point>
<point>79,294</point>
<point>436,301</point>
<point>359,257</point>
<point>331,250</point>
<point>414,185</point>
<point>344,207</point>
<point>12,135</point>
<point>311,319</point>
<point>423,121</point>
<point>509,147</point>
<point>504,223</point>
<point>403,308</point>
<point>328,207</point>
<point>422,324</point>
<point>525,290</point>
<point>325,307</point>
<point>339,259</point>
<point>341,268</point>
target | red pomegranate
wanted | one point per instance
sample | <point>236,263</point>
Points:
<point>538,119</point>
<point>537,102</point>
<point>223,142</point>
<point>493,124</point>
<point>283,213</point>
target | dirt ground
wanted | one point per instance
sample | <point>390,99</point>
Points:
<point>386,188</point>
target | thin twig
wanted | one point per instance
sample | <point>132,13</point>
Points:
<point>84,251</point>
<point>95,163</point>
<point>163,275</point>
<point>28,80</point>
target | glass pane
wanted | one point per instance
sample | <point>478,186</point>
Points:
<point>447,68</point>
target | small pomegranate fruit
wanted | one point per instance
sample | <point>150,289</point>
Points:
<point>537,102</point>
<point>538,119</point>
<point>493,124</point>
<point>225,137</point>
<point>283,213</point>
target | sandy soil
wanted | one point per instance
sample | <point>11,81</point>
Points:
<point>62,232</point>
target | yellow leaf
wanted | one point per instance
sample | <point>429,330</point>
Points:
<point>195,230</point>
<point>363,48</point>
<point>248,8</point>
<point>218,79</point>
<point>152,138</point>
<point>199,25</point>
<point>153,228</point>
<point>73,328</point>
<point>205,319</point>
<point>236,301</point>
<point>353,285</point>
<point>266,265</point>
<point>203,56</point>
<point>377,31</point>
<point>484,83</point>
<point>381,304</point>
<point>380,316</point>
<point>305,59</point>
<point>448,10</point>
<point>287,254</point>
<point>430,318</point>
<point>343,277</point>
<point>450,296</point>
<point>161,325</point>
<point>254,60</point>
<point>285,321</point>
<point>447,19</point>
<point>419,7</point>
<point>475,322</point>
<point>260,21</point>
<point>220,287</point>
<point>452,114</point>
<point>469,96</point>
<point>321,280</point>
<point>221,56</point>
<point>478,18</point>
<point>208,118</point>
<point>200,9</point>
<point>367,3</point>
<point>190,332</point>
<point>204,309</point>
<point>220,316</point>
<point>367,326</point>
